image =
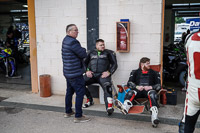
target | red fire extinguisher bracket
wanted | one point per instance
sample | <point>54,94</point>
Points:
<point>123,33</point>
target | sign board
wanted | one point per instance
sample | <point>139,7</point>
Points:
<point>194,23</point>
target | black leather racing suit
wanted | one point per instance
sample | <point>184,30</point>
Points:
<point>99,62</point>
<point>139,78</point>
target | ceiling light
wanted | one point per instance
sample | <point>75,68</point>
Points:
<point>25,6</point>
<point>18,10</point>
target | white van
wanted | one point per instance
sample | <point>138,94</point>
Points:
<point>178,36</point>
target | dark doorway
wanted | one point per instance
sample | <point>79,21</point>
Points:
<point>177,13</point>
<point>14,13</point>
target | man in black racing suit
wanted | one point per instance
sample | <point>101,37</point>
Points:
<point>143,83</point>
<point>100,63</point>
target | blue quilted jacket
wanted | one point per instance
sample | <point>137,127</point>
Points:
<point>72,57</point>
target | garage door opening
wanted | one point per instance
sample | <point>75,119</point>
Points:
<point>14,34</point>
<point>181,18</point>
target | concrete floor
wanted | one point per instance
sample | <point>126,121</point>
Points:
<point>22,120</point>
<point>168,114</point>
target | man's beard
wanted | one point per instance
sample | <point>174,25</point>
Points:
<point>100,50</point>
<point>145,68</point>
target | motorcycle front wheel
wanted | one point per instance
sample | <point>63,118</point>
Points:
<point>11,68</point>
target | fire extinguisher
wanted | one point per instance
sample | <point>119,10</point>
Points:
<point>123,39</point>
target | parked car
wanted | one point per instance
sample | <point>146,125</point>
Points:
<point>178,36</point>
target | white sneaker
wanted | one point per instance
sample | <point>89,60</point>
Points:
<point>154,116</point>
<point>122,107</point>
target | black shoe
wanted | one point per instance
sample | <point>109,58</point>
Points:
<point>110,111</point>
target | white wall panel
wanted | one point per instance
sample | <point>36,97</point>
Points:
<point>53,16</point>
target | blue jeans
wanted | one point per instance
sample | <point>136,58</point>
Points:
<point>76,85</point>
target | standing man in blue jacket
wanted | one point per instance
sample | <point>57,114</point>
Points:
<point>72,57</point>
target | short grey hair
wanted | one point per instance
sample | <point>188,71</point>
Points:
<point>69,27</point>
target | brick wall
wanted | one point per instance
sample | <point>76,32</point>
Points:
<point>53,16</point>
<point>145,32</point>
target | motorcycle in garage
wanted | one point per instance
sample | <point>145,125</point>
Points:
<point>174,64</point>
